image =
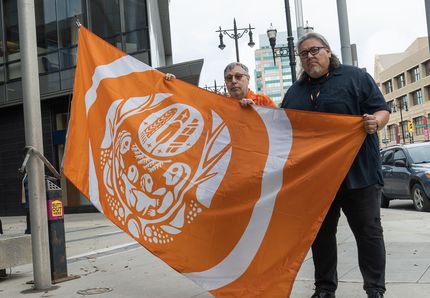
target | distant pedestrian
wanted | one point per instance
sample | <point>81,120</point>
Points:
<point>328,86</point>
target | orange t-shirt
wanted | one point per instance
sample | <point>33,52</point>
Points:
<point>261,99</point>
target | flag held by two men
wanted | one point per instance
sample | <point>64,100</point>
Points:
<point>230,197</point>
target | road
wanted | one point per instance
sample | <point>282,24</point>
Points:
<point>111,264</point>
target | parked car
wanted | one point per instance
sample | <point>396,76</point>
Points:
<point>406,172</point>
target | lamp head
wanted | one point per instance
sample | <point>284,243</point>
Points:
<point>251,43</point>
<point>271,34</point>
<point>221,43</point>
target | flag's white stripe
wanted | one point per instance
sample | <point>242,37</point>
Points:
<point>120,67</point>
<point>235,264</point>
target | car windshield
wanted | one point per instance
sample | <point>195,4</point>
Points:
<point>420,154</point>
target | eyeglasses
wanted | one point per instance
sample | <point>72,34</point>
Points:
<point>237,76</point>
<point>314,51</point>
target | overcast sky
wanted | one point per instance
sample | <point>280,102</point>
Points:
<point>376,26</point>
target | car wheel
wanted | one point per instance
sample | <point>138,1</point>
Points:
<point>420,199</point>
<point>385,201</point>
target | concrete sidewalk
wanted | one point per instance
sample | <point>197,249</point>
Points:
<point>111,264</point>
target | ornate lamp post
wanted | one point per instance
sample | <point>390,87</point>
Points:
<point>276,51</point>
<point>237,33</point>
<point>290,39</point>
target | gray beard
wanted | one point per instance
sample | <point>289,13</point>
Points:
<point>316,72</point>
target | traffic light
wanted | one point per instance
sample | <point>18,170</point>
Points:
<point>411,127</point>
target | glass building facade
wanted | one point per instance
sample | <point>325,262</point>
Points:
<point>123,23</point>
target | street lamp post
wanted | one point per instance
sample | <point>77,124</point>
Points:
<point>276,51</point>
<point>237,33</point>
<point>400,105</point>
<point>290,41</point>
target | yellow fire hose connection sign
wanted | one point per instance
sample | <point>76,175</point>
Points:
<point>55,209</point>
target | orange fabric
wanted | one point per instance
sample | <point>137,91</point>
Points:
<point>261,99</point>
<point>230,197</point>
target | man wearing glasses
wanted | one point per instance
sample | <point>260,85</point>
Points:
<point>236,76</point>
<point>327,86</point>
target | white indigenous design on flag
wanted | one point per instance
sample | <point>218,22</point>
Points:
<point>147,210</point>
<point>230,197</point>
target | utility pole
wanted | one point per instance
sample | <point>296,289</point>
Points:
<point>427,4</point>
<point>299,18</point>
<point>33,138</point>
<point>290,39</point>
<point>342,14</point>
<point>401,121</point>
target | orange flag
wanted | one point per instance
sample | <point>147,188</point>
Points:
<point>230,197</point>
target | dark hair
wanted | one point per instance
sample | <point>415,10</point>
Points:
<point>232,65</point>
<point>334,60</point>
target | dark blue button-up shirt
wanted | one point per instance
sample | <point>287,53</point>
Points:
<point>346,90</point>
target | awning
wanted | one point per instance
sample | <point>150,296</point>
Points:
<point>186,71</point>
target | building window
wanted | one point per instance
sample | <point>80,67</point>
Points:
<point>2,68</point>
<point>12,37</point>
<point>392,132</point>
<point>402,103</point>
<point>273,84</point>
<point>105,20</point>
<point>401,80</point>
<point>391,106</point>
<point>427,93</point>
<point>418,124</point>
<point>417,97</point>
<point>388,86</point>
<point>46,26</point>
<point>12,34</point>
<point>136,26</point>
<point>427,67</point>
<point>67,12</point>
<point>47,39</point>
<point>415,74</point>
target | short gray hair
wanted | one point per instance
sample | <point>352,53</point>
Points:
<point>232,65</point>
<point>334,60</point>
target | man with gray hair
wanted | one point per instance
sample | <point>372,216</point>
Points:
<point>325,85</point>
<point>236,77</point>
